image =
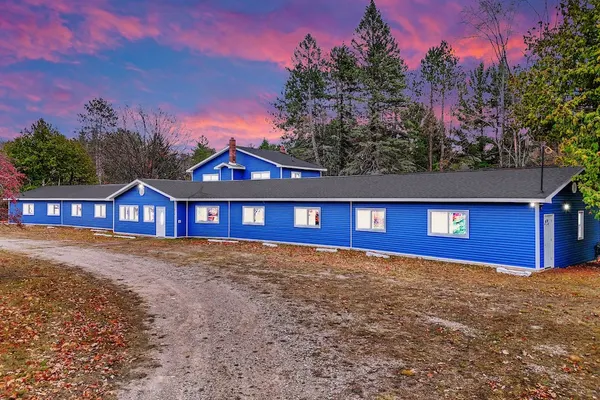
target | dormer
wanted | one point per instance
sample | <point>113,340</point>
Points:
<point>246,163</point>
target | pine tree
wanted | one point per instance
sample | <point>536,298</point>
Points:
<point>98,120</point>
<point>441,70</point>
<point>343,82</point>
<point>380,144</point>
<point>301,105</point>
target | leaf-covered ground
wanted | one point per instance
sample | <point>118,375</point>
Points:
<point>63,333</point>
<point>459,332</point>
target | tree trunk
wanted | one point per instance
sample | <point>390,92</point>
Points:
<point>443,133</point>
<point>311,125</point>
<point>431,131</point>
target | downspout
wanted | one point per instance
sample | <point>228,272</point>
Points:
<point>175,231</point>
<point>61,213</point>
<point>229,219</point>
<point>280,172</point>
<point>187,217</point>
<point>538,263</point>
<point>351,222</point>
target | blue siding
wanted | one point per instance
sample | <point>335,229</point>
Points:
<point>40,213</point>
<point>208,230</point>
<point>251,163</point>
<point>287,173</point>
<point>567,249</point>
<point>279,224</point>
<point>87,215</point>
<point>181,218</point>
<point>150,197</point>
<point>498,233</point>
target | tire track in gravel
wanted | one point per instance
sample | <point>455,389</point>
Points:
<point>214,339</point>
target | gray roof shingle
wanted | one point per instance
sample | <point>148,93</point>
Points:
<point>494,185</point>
<point>280,158</point>
<point>74,192</point>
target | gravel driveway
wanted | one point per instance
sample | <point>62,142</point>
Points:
<point>214,339</point>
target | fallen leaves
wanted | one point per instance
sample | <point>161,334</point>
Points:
<point>63,334</point>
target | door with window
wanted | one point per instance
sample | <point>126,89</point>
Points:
<point>549,241</point>
<point>161,221</point>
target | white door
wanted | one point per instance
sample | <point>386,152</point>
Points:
<point>548,240</point>
<point>161,222</point>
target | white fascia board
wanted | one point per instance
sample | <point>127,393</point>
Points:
<point>57,199</point>
<point>135,183</point>
<point>217,154</point>
<point>280,165</point>
<point>229,166</point>
<point>561,187</point>
<point>369,200</point>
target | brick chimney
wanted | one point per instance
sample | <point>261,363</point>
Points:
<point>232,150</point>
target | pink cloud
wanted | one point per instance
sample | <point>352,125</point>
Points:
<point>245,119</point>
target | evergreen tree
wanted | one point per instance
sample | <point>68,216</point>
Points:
<point>562,93</point>
<point>343,80</point>
<point>301,105</point>
<point>265,145</point>
<point>47,157</point>
<point>98,120</point>
<point>380,144</point>
<point>202,150</point>
<point>442,72</point>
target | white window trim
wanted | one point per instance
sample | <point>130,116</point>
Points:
<point>307,225</point>
<point>384,230</point>
<point>296,172</point>
<point>207,221</point>
<point>101,207</point>
<point>147,207</point>
<point>26,206</point>
<point>74,209</point>
<point>261,173</point>
<point>48,210</point>
<point>205,176</point>
<point>129,220</point>
<point>448,235</point>
<point>580,225</point>
<point>254,223</point>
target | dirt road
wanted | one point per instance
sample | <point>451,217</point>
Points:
<point>214,339</point>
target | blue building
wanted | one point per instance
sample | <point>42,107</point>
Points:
<point>490,217</point>
<point>235,163</point>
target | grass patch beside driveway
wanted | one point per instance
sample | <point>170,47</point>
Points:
<point>63,333</point>
<point>449,330</point>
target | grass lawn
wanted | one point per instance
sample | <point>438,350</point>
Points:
<point>456,331</point>
<point>63,333</point>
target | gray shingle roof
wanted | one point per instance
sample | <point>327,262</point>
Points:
<point>493,185</point>
<point>75,192</point>
<point>280,158</point>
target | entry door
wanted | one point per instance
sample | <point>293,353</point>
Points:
<point>161,221</point>
<point>548,240</point>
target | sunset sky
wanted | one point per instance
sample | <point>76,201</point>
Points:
<point>216,65</point>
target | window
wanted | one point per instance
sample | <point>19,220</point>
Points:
<point>148,213</point>
<point>370,219</point>
<point>307,217</point>
<point>129,213</point>
<point>210,177</point>
<point>75,210</point>
<point>28,208</point>
<point>99,210</point>
<point>261,175</point>
<point>53,210</point>
<point>296,174</point>
<point>253,216</point>
<point>207,214</point>
<point>580,225</point>
<point>448,223</point>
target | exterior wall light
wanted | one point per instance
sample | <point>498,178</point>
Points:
<point>532,204</point>
<point>566,206</point>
